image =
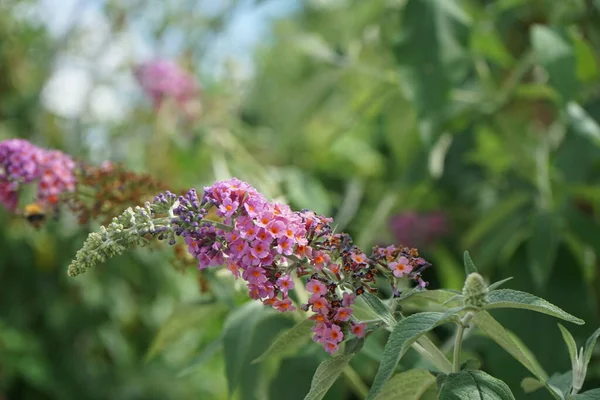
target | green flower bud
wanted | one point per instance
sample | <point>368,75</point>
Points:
<point>475,291</point>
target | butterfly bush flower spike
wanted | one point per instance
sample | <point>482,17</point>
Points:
<point>264,243</point>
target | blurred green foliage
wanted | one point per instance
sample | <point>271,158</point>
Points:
<point>486,110</point>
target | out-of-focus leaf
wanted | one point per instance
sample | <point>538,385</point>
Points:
<point>530,384</point>
<point>555,52</point>
<point>326,375</point>
<point>587,65</point>
<point>238,333</point>
<point>184,318</point>
<point>508,298</point>
<point>593,394</point>
<point>486,41</point>
<point>542,246</point>
<point>305,191</point>
<point>409,385</point>
<point>432,53</point>
<point>474,384</point>
<point>206,354</point>
<point>493,217</point>
<point>288,341</point>
<point>582,123</point>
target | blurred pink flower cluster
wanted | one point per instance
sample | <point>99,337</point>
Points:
<point>418,229</point>
<point>21,162</point>
<point>164,79</point>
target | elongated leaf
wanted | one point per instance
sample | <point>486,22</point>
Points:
<point>433,51</point>
<point>561,383</point>
<point>326,375</point>
<point>589,347</point>
<point>543,246</point>
<point>530,385</point>
<point>469,265</point>
<point>593,394</point>
<point>237,339</point>
<point>406,332</point>
<point>494,217</point>
<point>571,346</point>
<point>555,52</point>
<point>185,318</point>
<point>496,285</point>
<point>383,312</point>
<point>508,298</point>
<point>409,385</point>
<point>495,331</point>
<point>583,123</point>
<point>289,340</point>
<point>476,385</point>
<point>206,354</point>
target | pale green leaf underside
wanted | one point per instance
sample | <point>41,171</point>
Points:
<point>383,312</point>
<point>508,298</point>
<point>406,332</point>
<point>571,345</point>
<point>589,347</point>
<point>289,340</point>
<point>474,385</point>
<point>326,375</point>
<point>593,394</point>
<point>409,385</point>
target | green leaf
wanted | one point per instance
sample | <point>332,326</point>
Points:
<point>508,298</point>
<point>381,310</point>
<point>469,265</point>
<point>496,285</point>
<point>530,385</point>
<point>474,385</point>
<point>593,394</point>
<point>183,319</point>
<point>433,51</point>
<point>587,66</point>
<point>495,331</point>
<point>409,385</point>
<point>406,332</point>
<point>493,217</point>
<point>206,354</point>
<point>561,383</point>
<point>589,348</point>
<point>583,123</point>
<point>326,375</point>
<point>305,190</point>
<point>238,331</point>
<point>542,247</point>
<point>571,345</point>
<point>555,52</point>
<point>288,341</point>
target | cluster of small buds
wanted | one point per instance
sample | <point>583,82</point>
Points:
<point>419,229</point>
<point>128,230</point>
<point>164,79</point>
<point>21,162</point>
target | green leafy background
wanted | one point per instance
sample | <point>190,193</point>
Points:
<point>488,111</point>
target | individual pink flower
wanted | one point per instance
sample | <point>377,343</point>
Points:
<point>285,246</point>
<point>331,347</point>
<point>401,267</point>
<point>343,314</point>
<point>228,208</point>
<point>320,260</point>
<point>254,275</point>
<point>334,334</point>
<point>316,287</point>
<point>284,305</point>
<point>348,299</point>
<point>285,283</point>
<point>358,330</point>
<point>320,305</point>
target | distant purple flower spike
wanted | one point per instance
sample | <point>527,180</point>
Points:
<point>418,229</point>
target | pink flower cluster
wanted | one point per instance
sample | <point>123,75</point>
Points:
<point>162,79</point>
<point>264,242</point>
<point>21,162</point>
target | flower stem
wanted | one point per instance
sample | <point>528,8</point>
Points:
<point>462,325</point>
